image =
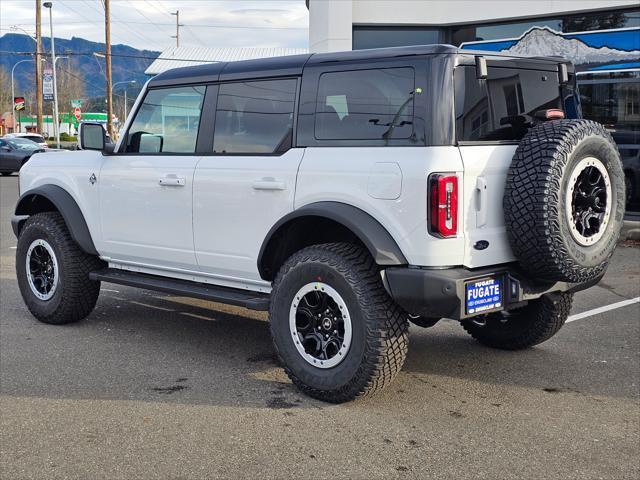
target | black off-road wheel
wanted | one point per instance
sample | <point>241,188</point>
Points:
<point>53,272</point>
<point>523,328</point>
<point>337,332</point>
<point>564,200</point>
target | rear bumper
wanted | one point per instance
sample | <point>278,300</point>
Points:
<point>440,293</point>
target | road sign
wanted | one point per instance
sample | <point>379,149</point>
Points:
<point>77,112</point>
<point>47,84</point>
<point>76,103</point>
<point>18,103</point>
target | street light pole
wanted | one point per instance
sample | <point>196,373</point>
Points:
<point>56,127</point>
<point>13,90</point>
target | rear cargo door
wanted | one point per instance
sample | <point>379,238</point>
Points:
<point>492,115</point>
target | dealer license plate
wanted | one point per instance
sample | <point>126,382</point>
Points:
<point>483,295</point>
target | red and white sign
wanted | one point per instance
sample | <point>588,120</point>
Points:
<point>77,112</point>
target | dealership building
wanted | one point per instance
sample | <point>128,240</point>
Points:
<point>602,39</point>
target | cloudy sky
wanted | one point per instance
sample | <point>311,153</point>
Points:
<point>148,24</point>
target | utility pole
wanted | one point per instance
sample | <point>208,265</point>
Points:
<point>107,39</point>
<point>177,35</point>
<point>38,67</point>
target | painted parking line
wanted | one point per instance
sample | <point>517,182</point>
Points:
<point>606,308</point>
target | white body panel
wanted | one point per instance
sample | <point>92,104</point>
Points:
<point>345,175</point>
<point>142,220</point>
<point>70,171</point>
<point>210,228</point>
<point>485,175</point>
<point>237,199</point>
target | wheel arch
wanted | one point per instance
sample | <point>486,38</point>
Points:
<point>49,198</point>
<point>326,222</point>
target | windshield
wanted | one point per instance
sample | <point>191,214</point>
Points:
<point>22,144</point>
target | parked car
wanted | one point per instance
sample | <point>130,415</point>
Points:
<point>347,194</point>
<point>34,137</point>
<point>14,153</point>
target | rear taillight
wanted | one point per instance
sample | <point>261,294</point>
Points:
<point>443,205</point>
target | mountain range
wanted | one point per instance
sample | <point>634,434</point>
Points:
<point>542,41</point>
<point>127,63</point>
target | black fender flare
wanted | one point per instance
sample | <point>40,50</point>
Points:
<point>65,204</point>
<point>383,248</point>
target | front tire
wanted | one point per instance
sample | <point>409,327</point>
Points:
<point>522,328</point>
<point>336,330</point>
<point>53,272</point>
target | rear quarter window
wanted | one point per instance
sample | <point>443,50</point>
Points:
<point>372,104</point>
<point>502,107</point>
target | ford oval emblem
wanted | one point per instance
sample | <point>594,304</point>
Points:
<point>481,245</point>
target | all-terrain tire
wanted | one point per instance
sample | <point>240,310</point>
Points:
<point>535,201</point>
<point>380,327</point>
<point>522,328</point>
<point>75,295</point>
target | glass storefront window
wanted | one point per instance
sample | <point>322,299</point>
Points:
<point>613,99</point>
<point>566,24</point>
<point>391,36</point>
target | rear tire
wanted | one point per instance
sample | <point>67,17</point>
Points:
<point>522,328</point>
<point>372,329</point>
<point>56,286</point>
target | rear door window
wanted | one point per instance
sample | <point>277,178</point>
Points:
<point>502,107</point>
<point>255,117</point>
<point>375,104</point>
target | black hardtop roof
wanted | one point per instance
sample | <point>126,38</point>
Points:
<point>292,65</point>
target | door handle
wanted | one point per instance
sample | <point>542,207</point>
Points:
<point>481,205</point>
<point>268,183</point>
<point>172,181</point>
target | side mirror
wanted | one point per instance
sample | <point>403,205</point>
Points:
<point>92,136</point>
<point>5,148</point>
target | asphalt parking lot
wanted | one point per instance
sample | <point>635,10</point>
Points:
<point>154,386</point>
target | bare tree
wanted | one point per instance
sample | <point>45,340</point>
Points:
<point>70,85</point>
<point>6,102</point>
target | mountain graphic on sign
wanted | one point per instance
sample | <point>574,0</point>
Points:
<point>543,41</point>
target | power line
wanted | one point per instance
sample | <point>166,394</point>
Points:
<point>142,14</point>
<point>192,33</point>
<point>118,23</point>
<point>249,27</point>
<point>117,55</point>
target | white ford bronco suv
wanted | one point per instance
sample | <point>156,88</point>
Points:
<point>347,194</point>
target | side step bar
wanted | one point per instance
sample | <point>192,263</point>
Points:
<point>185,288</point>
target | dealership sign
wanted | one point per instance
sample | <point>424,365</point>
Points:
<point>18,103</point>
<point>47,84</point>
<point>617,49</point>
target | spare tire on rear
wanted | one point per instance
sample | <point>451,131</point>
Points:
<point>564,200</point>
